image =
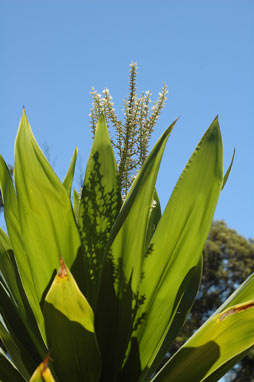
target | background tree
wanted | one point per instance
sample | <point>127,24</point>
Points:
<point>228,261</point>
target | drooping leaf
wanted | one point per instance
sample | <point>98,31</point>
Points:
<point>219,340</point>
<point>69,323</point>
<point>184,227</point>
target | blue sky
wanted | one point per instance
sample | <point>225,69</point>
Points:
<point>53,52</point>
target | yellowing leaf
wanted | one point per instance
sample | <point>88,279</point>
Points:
<point>42,373</point>
<point>69,324</point>
<point>65,296</point>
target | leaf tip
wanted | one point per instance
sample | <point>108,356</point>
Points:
<point>46,362</point>
<point>62,273</point>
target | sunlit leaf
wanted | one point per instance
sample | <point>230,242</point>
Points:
<point>46,217</point>
<point>220,339</point>
<point>69,323</point>
<point>70,173</point>
<point>121,273</point>
<point>184,227</point>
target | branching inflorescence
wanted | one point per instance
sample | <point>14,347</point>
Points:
<point>130,136</point>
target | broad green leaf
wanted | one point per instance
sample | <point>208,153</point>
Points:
<point>47,222</point>
<point>228,171</point>
<point>42,373</point>
<point>222,338</point>
<point>99,205</point>
<point>8,373</point>
<point>69,323</point>
<point>12,220</point>
<point>121,272</point>
<point>70,173</point>
<point>184,227</point>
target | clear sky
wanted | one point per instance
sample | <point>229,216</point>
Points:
<point>53,52</point>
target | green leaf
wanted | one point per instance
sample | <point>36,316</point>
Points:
<point>221,338</point>
<point>76,197</point>
<point>99,205</point>
<point>8,373</point>
<point>184,227</point>
<point>154,218</point>
<point>240,297</point>
<point>243,294</point>
<point>13,350</point>
<point>129,246</point>
<point>12,220</point>
<point>186,293</point>
<point>46,217</point>
<point>228,171</point>
<point>16,336</point>
<point>14,286</point>
<point>70,173</point>
<point>121,271</point>
<point>69,323</point>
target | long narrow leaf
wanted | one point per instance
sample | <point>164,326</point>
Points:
<point>225,178</point>
<point>70,173</point>
<point>12,279</point>
<point>99,205</point>
<point>8,373</point>
<point>121,274</point>
<point>12,219</point>
<point>48,227</point>
<point>27,348</point>
<point>184,227</point>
